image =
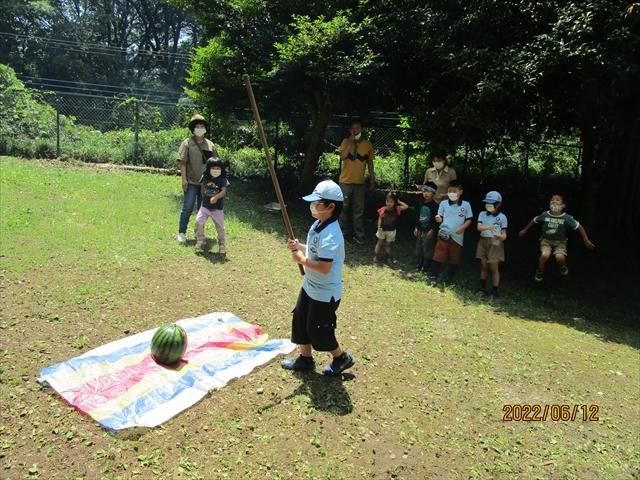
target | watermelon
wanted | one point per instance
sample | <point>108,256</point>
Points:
<point>169,344</point>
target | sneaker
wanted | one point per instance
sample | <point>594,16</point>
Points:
<point>433,281</point>
<point>359,240</point>
<point>199,244</point>
<point>375,259</point>
<point>298,364</point>
<point>453,282</point>
<point>222,250</point>
<point>493,295</point>
<point>538,276</point>
<point>336,367</point>
<point>389,261</point>
<point>483,291</point>
<point>182,237</point>
<point>564,270</point>
<point>419,268</point>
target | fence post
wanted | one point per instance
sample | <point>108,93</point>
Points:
<point>406,158</point>
<point>275,147</point>
<point>58,126</point>
<point>135,135</point>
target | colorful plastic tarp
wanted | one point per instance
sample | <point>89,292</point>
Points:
<point>121,386</point>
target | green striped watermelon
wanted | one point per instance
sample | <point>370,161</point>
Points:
<point>169,344</point>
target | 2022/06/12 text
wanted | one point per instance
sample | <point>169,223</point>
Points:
<point>542,413</point>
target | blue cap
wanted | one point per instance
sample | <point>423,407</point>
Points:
<point>326,190</point>
<point>493,197</point>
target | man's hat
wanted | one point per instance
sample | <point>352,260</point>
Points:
<point>493,197</point>
<point>197,118</point>
<point>326,190</point>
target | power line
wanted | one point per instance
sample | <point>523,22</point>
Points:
<point>98,49</point>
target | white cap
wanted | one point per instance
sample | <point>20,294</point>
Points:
<point>326,190</point>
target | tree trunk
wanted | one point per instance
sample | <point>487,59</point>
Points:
<point>322,110</point>
<point>592,168</point>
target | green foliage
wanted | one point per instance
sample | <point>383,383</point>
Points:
<point>26,123</point>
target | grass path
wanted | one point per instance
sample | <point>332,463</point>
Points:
<point>88,256</point>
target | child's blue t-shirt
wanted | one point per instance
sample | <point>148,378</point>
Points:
<point>212,187</point>
<point>325,243</point>
<point>498,221</point>
<point>453,217</point>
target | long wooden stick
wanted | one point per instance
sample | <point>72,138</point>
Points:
<point>272,170</point>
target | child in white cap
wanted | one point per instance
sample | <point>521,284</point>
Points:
<point>314,318</point>
<point>492,225</point>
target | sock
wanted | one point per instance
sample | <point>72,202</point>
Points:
<point>452,271</point>
<point>435,268</point>
<point>494,289</point>
<point>306,359</point>
<point>341,358</point>
<point>483,284</point>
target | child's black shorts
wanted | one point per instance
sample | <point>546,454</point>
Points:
<point>314,322</point>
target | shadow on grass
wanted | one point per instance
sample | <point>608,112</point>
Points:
<point>325,393</point>
<point>600,296</point>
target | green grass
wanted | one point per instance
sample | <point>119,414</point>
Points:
<point>88,256</point>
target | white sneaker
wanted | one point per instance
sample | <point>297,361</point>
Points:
<point>199,244</point>
<point>182,238</point>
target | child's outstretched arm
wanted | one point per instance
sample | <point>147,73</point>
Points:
<point>403,206</point>
<point>524,231</point>
<point>585,239</point>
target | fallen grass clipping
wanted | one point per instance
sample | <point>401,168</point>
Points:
<point>89,256</point>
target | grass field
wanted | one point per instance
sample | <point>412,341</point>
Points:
<point>88,256</point>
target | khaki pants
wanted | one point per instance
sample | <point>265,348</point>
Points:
<point>353,199</point>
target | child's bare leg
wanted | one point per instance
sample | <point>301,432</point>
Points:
<point>387,248</point>
<point>379,246</point>
<point>305,350</point>
<point>336,353</point>
<point>560,258</point>
<point>495,274</point>
<point>543,260</point>
<point>484,269</point>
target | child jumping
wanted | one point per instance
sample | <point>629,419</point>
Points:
<point>388,224</point>
<point>426,227</point>
<point>492,225</point>
<point>314,318</point>
<point>554,235</point>
<point>454,217</point>
<point>214,187</point>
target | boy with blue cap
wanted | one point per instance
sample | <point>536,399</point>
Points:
<point>314,318</point>
<point>492,225</point>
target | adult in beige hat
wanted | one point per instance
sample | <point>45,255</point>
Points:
<point>192,155</point>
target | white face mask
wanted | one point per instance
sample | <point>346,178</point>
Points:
<point>357,137</point>
<point>216,172</point>
<point>490,208</point>
<point>555,208</point>
<point>452,196</point>
<point>438,165</point>
<point>312,207</point>
<point>199,131</point>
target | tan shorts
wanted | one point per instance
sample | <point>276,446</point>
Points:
<point>490,252</point>
<point>557,247</point>
<point>389,236</point>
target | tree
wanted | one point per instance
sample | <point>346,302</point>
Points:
<point>520,70</point>
<point>116,42</point>
<point>320,61</point>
